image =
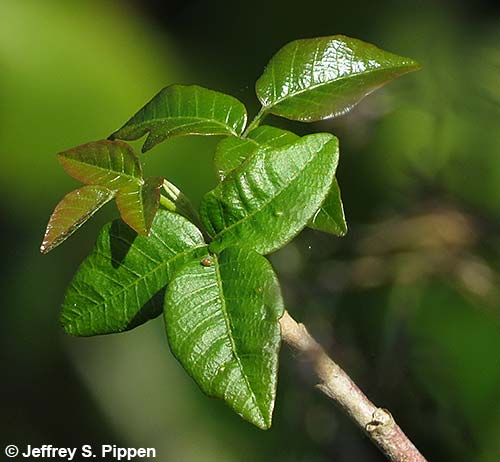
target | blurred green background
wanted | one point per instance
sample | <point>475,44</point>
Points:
<point>408,302</point>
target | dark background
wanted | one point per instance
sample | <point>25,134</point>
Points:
<point>408,302</point>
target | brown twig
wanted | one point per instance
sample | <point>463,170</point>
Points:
<point>376,422</point>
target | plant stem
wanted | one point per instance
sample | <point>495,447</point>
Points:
<point>255,122</point>
<point>179,203</point>
<point>376,422</point>
<point>167,203</point>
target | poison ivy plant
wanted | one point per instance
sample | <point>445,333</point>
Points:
<point>206,271</point>
<point>222,324</point>
<point>232,151</point>
<point>325,77</point>
<point>120,284</point>
<point>271,196</point>
<point>111,169</point>
<point>185,110</point>
<point>73,211</point>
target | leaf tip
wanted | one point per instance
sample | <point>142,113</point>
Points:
<point>61,157</point>
<point>264,424</point>
<point>50,241</point>
<point>412,65</point>
<point>141,229</point>
<point>261,419</point>
<point>149,144</point>
<point>45,248</point>
<point>138,229</point>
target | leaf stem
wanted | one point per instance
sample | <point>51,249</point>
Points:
<point>255,122</point>
<point>167,203</point>
<point>179,203</point>
<point>376,422</point>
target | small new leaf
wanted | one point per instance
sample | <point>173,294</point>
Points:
<point>177,201</point>
<point>113,164</point>
<point>318,78</point>
<point>138,204</point>
<point>119,284</point>
<point>72,212</point>
<point>221,315</point>
<point>270,198</point>
<point>184,110</point>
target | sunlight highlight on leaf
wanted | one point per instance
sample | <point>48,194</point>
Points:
<point>72,212</point>
<point>184,110</point>
<point>318,78</point>
<point>222,325</point>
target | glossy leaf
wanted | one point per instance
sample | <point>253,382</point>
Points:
<point>138,204</point>
<point>185,110</point>
<point>118,286</point>
<point>222,325</point>
<point>272,136</point>
<point>113,164</point>
<point>232,152</point>
<point>314,79</point>
<point>330,218</point>
<point>270,198</point>
<point>72,212</point>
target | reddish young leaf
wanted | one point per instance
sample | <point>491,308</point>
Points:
<point>138,204</point>
<point>113,164</point>
<point>74,209</point>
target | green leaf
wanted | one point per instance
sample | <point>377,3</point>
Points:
<point>185,110</point>
<point>72,212</point>
<point>113,164</point>
<point>222,317</point>
<point>272,136</point>
<point>269,199</point>
<point>314,79</point>
<point>233,151</point>
<point>138,204</point>
<point>118,286</point>
<point>330,217</point>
